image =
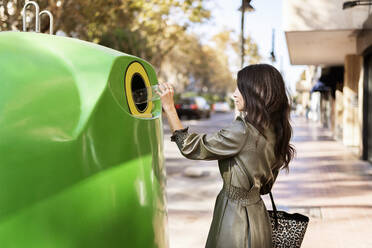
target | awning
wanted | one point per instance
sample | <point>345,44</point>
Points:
<point>320,87</point>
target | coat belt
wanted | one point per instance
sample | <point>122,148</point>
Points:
<point>242,195</point>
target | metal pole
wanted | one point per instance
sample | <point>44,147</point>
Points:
<point>242,33</point>
<point>273,59</point>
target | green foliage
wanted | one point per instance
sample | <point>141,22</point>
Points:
<point>213,98</point>
<point>252,55</point>
<point>123,39</point>
<point>189,94</point>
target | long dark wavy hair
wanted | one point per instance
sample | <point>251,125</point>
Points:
<point>267,103</point>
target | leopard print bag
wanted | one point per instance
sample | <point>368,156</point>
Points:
<point>288,230</point>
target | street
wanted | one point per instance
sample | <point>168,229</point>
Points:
<point>326,182</point>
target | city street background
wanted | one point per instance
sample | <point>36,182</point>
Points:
<point>326,182</point>
<point>322,48</point>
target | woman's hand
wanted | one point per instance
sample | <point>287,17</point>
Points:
<point>166,94</point>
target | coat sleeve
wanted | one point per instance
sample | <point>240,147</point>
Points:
<point>223,144</point>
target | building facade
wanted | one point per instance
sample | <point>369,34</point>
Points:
<point>321,33</point>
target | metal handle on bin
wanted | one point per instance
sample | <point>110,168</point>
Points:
<point>37,21</point>
<point>50,20</point>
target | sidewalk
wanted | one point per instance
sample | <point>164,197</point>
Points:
<point>330,185</point>
<point>326,182</point>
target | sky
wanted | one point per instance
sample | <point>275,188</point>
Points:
<point>259,25</point>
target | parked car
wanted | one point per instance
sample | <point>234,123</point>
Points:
<point>193,107</point>
<point>221,107</point>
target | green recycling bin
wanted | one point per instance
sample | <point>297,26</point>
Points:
<point>81,159</point>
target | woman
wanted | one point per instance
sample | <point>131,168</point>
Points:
<point>250,153</point>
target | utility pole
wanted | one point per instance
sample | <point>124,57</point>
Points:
<point>242,33</point>
<point>272,54</point>
<point>246,5</point>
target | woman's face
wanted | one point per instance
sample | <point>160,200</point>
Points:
<point>238,100</point>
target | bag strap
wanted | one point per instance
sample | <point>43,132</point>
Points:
<point>274,209</point>
<point>271,198</point>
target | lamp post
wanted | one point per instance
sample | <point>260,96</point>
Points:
<point>246,6</point>
<point>272,53</point>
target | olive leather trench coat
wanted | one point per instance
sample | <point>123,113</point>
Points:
<point>240,218</point>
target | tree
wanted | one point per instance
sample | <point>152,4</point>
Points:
<point>79,18</point>
<point>202,66</point>
<point>252,55</point>
<point>157,31</point>
<point>164,22</point>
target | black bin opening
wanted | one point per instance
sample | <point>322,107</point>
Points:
<point>139,92</point>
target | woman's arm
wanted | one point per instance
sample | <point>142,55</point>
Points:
<point>223,144</point>
<point>173,120</point>
<point>166,95</point>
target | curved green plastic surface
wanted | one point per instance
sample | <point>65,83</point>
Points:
<point>76,169</point>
